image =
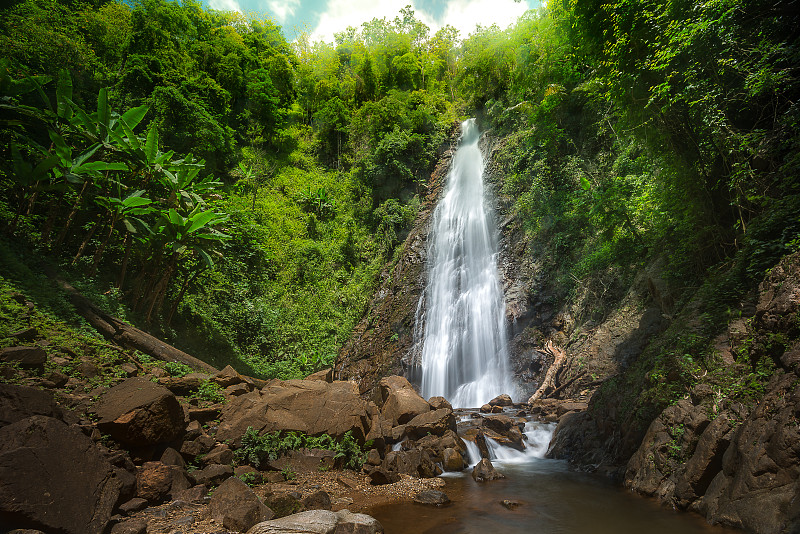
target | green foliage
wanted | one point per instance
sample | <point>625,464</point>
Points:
<point>209,391</point>
<point>177,369</point>
<point>257,450</point>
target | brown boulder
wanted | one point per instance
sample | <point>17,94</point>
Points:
<point>20,402</point>
<point>477,436</point>
<point>432,498</point>
<point>390,384</point>
<point>326,375</point>
<point>437,422</point>
<point>213,475</point>
<point>485,471</point>
<point>320,522</point>
<point>237,507</point>
<point>438,403</point>
<point>183,385</point>
<point>379,476</point>
<point>155,481</point>
<point>415,462</point>
<point>402,405</point>
<point>501,400</point>
<point>452,460</point>
<point>228,377</point>
<point>28,357</point>
<point>308,406</point>
<point>138,413</point>
<point>319,500</point>
<point>44,462</point>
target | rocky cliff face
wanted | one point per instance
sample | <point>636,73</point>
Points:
<point>382,343</point>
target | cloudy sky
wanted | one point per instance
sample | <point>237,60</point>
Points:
<point>325,17</point>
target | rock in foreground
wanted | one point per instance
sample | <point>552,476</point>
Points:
<point>53,477</point>
<point>320,522</point>
<point>485,471</point>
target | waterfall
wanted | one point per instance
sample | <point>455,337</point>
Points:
<point>464,347</point>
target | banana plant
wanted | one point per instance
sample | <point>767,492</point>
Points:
<point>128,211</point>
<point>178,235</point>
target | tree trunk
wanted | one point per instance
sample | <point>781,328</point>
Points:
<point>99,252</point>
<point>85,242</point>
<point>77,204</point>
<point>124,268</point>
<point>189,279</point>
<point>549,382</point>
<point>128,336</point>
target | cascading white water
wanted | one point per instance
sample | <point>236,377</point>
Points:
<point>464,350</point>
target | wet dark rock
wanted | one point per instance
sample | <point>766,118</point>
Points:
<point>432,498</point>
<point>511,505</point>
<point>484,471</point>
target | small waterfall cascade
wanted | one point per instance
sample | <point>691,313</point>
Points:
<point>464,343</point>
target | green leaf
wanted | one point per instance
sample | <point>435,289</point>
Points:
<point>175,218</point>
<point>200,220</point>
<point>64,95</point>
<point>103,114</point>
<point>102,166</point>
<point>151,146</point>
<point>134,116</point>
<point>63,150</point>
<point>205,256</point>
<point>585,184</point>
<point>78,161</point>
<point>135,202</point>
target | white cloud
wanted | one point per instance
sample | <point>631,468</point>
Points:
<point>343,13</point>
<point>461,14</point>
<point>281,9</point>
<point>465,15</point>
<point>225,5</point>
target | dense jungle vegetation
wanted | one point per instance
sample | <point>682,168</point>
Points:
<point>238,194</point>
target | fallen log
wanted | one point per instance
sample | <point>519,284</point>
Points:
<point>127,336</point>
<point>548,384</point>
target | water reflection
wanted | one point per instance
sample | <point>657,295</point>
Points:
<point>553,500</point>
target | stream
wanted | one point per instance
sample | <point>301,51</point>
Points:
<point>552,497</point>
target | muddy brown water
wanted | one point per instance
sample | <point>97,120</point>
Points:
<point>553,499</point>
